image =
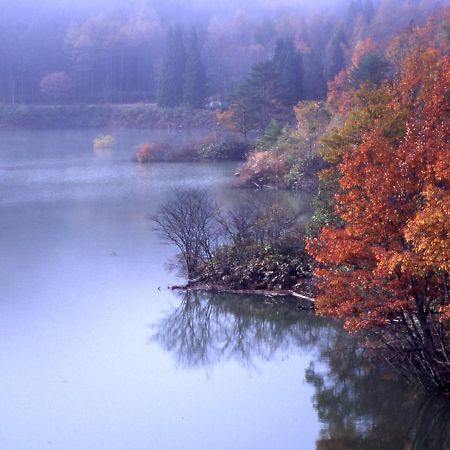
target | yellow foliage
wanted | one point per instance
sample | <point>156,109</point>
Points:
<point>103,141</point>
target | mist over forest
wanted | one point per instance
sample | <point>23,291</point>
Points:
<point>113,51</point>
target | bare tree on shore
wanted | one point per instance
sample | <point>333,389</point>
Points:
<point>188,220</point>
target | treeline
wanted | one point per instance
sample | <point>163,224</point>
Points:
<point>106,52</point>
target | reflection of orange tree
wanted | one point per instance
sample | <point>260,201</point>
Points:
<point>144,153</point>
<point>362,406</point>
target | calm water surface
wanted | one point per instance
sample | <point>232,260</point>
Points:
<point>97,354</point>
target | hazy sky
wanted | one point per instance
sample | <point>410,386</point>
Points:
<point>168,5</point>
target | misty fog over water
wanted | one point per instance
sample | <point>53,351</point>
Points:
<point>98,353</point>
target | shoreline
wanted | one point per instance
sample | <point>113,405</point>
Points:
<point>273,293</point>
<point>79,116</point>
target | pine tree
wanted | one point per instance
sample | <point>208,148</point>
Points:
<point>371,67</point>
<point>355,8</point>
<point>314,80</point>
<point>259,99</point>
<point>336,59</point>
<point>368,10</point>
<point>170,89</point>
<point>288,63</point>
<point>195,75</point>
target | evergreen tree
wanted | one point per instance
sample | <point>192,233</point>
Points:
<point>259,99</point>
<point>368,10</point>
<point>336,59</point>
<point>195,75</point>
<point>372,68</point>
<point>170,89</point>
<point>288,63</point>
<point>278,56</point>
<point>315,82</point>
<point>355,8</point>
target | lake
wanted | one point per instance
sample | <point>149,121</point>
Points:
<point>97,353</point>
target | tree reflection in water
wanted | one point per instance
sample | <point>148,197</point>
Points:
<point>206,329</point>
<point>361,404</point>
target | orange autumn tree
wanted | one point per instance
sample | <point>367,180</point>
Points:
<point>386,267</point>
<point>368,66</point>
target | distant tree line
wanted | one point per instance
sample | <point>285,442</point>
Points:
<point>115,53</point>
<point>183,74</point>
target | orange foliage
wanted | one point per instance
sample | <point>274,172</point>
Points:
<point>144,153</point>
<point>225,118</point>
<point>341,92</point>
<point>363,48</point>
<point>435,34</point>
<point>393,253</point>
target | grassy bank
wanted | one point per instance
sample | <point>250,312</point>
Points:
<point>93,116</point>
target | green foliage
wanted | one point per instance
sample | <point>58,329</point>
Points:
<point>195,75</point>
<point>170,89</point>
<point>224,151</point>
<point>263,267</point>
<point>95,116</point>
<point>324,212</point>
<point>290,158</point>
<point>371,104</point>
<point>258,100</point>
<point>314,77</point>
<point>271,135</point>
<point>335,53</point>
<point>371,67</point>
<point>288,63</point>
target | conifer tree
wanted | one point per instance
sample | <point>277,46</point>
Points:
<point>314,79</point>
<point>336,60</point>
<point>195,74</point>
<point>170,89</point>
<point>368,10</point>
<point>258,100</point>
<point>288,63</point>
<point>355,8</point>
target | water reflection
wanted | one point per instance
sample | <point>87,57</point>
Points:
<point>361,404</point>
<point>206,329</point>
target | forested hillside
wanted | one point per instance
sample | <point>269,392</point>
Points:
<point>67,52</point>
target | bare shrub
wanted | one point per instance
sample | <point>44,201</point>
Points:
<point>188,220</point>
<point>263,221</point>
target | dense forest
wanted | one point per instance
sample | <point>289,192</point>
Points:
<point>125,52</point>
